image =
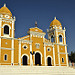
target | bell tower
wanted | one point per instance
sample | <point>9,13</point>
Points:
<point>7,31</point>
<point>56,36</point>
<point>7,22</point>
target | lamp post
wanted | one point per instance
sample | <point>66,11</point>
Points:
<point>32,53</point>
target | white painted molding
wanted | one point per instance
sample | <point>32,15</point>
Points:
<point>54,56</point>
<point>66,55</point>
<point>58,55</point>
<point>45,54</point>
<point>12,53</point>
<point>0,38</point>
<point>19,52</point>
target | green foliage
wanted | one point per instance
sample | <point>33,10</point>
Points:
<point>72,56</point>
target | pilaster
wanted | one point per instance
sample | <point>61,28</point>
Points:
<point>54,56</point>
<point>66,55</point>
<point>0,38</point>
<point>45,54</point>
<point>58,55</point>
<point>19,52</point>
<point>31,60</point>
<point>12,53</point>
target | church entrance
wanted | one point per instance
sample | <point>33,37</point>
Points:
<point>49,61</point>
<point>37,59</point>
<point>24,60</point>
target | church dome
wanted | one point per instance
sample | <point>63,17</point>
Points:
<point>55,22</point>
<point>5,10</point>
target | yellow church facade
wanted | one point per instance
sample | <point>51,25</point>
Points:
<point>33,49</point>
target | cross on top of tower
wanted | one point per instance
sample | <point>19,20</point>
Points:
<point>54,17</point>
<point>4,5</point>
<point>35,23</point>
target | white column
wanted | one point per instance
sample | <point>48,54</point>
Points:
<point>0,26</point>
<point>12,29</point>
<point>0,39</point>
<point>54,56</point>
<point>45,54</point>
<point>12,53</point>
<point>64,37</point>
<point>58,55</point>
<point>66,55</point>
<point>19,52</point>
<point>31,60</point>
<point>31,55</point>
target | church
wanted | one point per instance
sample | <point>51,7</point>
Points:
<point>33,49</point>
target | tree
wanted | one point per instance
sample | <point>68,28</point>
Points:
<point>72,56</point>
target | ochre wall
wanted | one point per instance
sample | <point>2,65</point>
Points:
<point>8,52</point>
<point>16,52</point>
<point>40,49</point>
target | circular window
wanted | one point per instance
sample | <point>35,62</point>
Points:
<point>6,16</point>
<point>48,49</point>
<point>25,47</point>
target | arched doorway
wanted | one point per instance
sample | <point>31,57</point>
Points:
<point>24,60</point>
<point>37,59</point>
<point>49,61</point>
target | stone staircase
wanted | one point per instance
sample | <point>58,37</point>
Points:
<point>36,70</point>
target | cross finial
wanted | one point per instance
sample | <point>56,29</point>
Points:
<point>54,17</point>
<point>4,5</point>
<point>35,23</point>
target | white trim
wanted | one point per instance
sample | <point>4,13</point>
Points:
<point>0,26</point>
<point>27,58</point>
<point>57,35</point>
<point>58,55</point>
<point>12,29</point>
<point>0,38</point>
<point>40,54</point>
<point>64,37</point>
<point>25,37</point>
<point>7,25</point>
<point>7,16</point>
<point>36,33</point>
<point>6,48</point>
<point>37,28</point>
<point>66,55</point>
<point>54,55</point>
<point>19,52</point>
<point>45,54</point>
<point>31,61</point>
<point>12,52</point>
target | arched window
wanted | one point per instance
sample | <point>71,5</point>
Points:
<point>62,60</point>
<point>5,57</point>
<point>52,38</point>
<point>60,38</point>
<point>6,29</point>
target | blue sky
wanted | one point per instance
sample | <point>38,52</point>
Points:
<point>43,11</point>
